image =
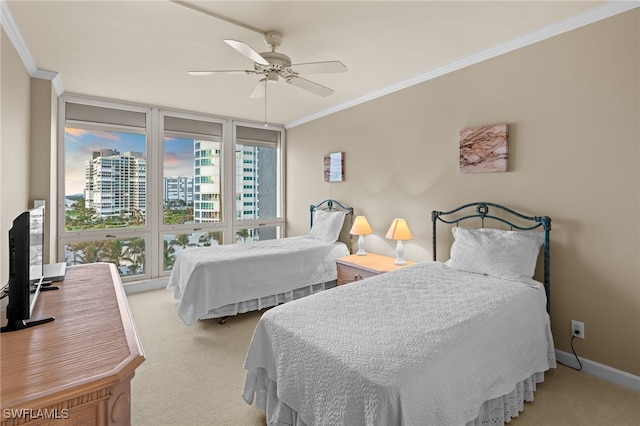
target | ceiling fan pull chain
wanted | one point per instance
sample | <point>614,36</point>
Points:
<point>265,102</point>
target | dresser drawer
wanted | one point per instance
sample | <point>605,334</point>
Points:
<point>348,274</point>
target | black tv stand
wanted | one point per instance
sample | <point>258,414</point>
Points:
<point>47,288</point>
<point>53,287</point>
<point>16,325</point>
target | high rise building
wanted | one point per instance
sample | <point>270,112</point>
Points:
<point>246,182</point>
<point>250,176</point>
<point>207,189</point>
<point>256,186</point>
<point>255,182</point>
<point>178,188</point>
<point>115,183</point>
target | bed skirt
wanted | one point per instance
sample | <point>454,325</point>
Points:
<point>498,411</point>
<point>267,302</point>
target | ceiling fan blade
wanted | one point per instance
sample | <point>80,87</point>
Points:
<point>319,67</point>
<point>247,51</point>
<point>211,72</point>
<point>259,90</point>
<point>312,87</point>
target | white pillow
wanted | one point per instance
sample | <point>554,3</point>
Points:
<point>504,254</point>
<point>327,225</point>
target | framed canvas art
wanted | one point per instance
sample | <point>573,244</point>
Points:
<point>334,167</point>
<point>484,149</point>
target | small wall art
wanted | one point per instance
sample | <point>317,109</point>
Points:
<point>334,167</point>
<point>484,149</point>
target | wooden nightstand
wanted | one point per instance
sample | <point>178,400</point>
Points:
<point>355,268</point>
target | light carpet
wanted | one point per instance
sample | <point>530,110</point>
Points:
<point>193,375</point>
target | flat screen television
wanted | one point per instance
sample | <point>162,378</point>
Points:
<point>26,264</point>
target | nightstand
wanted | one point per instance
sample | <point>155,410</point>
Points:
<point>355,268</point>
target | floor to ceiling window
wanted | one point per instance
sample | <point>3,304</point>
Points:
<point>192,184</point>
<point>257,157</point>
<point>141,184</point>
<point>105,187</point>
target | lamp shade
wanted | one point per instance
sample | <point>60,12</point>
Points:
<point>399,231</point>
<point>360,226</point>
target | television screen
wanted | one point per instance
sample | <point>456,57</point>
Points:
<point>26,258</point>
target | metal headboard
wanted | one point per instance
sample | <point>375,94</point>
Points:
<point>329,205</point>
<point>332,205</point>
<point>482,212</point>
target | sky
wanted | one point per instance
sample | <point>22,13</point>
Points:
<point>178,157</point>
<point>80,143</point>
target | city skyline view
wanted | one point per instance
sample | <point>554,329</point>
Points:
<point>107,170</point>
<point>81,143</point>
<point>127,179</point>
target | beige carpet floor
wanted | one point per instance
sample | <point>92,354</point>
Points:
<point>193,376</point>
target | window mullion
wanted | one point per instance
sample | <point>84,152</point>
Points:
<point>154,183</point>
<point>229,171</point>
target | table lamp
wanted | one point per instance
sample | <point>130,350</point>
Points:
<point>399,231</point>
<point>360,227</point>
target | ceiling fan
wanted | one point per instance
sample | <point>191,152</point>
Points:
<point>274,66</point>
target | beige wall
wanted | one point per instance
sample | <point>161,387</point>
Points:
<point>572,105</point>
<point>28,150</point>
<point>43,162</point>
<point>14,146</point>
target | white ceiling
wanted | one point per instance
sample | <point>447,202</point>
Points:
<point>140,51</point>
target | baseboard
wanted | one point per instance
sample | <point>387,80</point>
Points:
<point>601,371</point>
<point>140,286</point>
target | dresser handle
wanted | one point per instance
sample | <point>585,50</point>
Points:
<point>357,277</point>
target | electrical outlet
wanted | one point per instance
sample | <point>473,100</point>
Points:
<point>577,329</point>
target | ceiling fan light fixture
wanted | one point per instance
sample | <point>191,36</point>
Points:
<point>275,65</point>
<point>272,76</point>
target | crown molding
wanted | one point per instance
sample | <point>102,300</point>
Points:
<point>599,13</point>
<point>604,11</point>
<point>11,29</point>
<point>13,33</point>
<point>54,76</point>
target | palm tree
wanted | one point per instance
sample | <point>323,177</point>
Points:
<point>114,251</point>
<point>90,251</point>
<point>168,255</point>
<point>136,250</point>
<point>242,233</point>
<point>217,236</point>
<point>137,217</point>
<point>74,247</point>
<point>181,240</point>
<point>79,215</point>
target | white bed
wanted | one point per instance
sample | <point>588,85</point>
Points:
<point>428,344</point>
<point>221,281</point>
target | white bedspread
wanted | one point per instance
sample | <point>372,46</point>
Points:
<point>205,278</point>
<point>423,345</point>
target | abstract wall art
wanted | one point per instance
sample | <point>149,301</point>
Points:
<point>334,167</point>
<point>484,149</point>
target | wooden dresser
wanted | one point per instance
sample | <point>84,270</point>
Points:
<point>355,268</point>
<point>77,369</point>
